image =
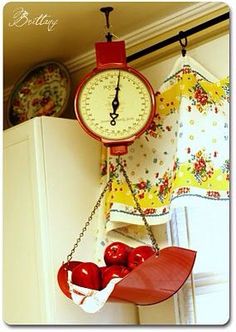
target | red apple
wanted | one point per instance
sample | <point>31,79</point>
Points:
<point>62,276</point>
<point>103,269</point>
<point>116,254</point>
<point>87,275</point>
<point>71,265</point>
<point>139,255</point>
<point>114,271</point>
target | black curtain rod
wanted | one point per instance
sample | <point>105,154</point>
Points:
<point>175,38</point>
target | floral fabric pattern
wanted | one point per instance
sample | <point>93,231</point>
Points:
<point>184,152</point>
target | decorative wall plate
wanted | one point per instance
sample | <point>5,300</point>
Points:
<point>43,90</point>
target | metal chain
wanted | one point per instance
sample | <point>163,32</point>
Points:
<point>97,205</point>
<point>149,230</point>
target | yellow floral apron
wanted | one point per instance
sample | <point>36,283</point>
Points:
<point>181,159</point>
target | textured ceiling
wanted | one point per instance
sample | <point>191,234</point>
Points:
<point>79,25</point>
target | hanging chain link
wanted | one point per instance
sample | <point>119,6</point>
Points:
<point>98,204</point>
<point>148,228</point>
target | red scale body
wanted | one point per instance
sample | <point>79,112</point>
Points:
<point>112,55</point>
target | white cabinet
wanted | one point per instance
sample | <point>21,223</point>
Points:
<point>51,182</point>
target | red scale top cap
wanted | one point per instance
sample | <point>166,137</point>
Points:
<point>108,53</point>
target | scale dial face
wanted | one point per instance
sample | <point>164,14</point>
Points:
<point>114,104</point>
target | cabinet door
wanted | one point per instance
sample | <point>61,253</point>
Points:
<point>61,164</point>
<point>72,173</point>
<point>22,293</point>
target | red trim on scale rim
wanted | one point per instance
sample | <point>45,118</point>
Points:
<point>127,140</point>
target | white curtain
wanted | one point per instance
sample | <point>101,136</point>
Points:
<point>204,299</point>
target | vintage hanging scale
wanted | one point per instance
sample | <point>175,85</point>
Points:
<point>115,104</point>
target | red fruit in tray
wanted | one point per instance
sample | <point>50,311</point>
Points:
<point>71,265</point>
<point>116,253</point>
<point>139,255</point>
<point>114,271</point>
<point>62,276</point>
<point>103,269</point>
<point>87,275</point>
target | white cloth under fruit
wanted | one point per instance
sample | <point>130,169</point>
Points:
<point>90,300</point>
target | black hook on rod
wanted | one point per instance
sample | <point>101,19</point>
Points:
<point>183,42</point>
<point>106,11</point>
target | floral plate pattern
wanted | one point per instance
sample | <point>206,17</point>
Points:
<point>43,90</point>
